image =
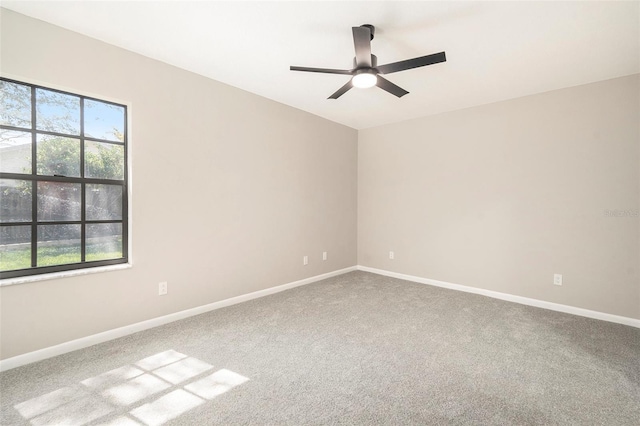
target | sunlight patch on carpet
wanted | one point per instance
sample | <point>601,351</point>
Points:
<point>167,407</point>
<point>216,384</point>
<point>154,390</point>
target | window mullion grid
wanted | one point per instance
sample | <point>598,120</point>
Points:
<point>83,187</point>
<point>20,176</point>
<point>34,179</point>
<point>34,183</point>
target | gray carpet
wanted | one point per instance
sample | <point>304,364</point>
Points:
<point>355,349</point>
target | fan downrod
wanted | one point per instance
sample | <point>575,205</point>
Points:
<point>371,28</point>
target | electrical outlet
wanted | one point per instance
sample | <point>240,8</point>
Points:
<point>324,255</point>
<point>557,279</point>
<point>162,288</point>
<point>305,260</point>
<point>391,255</point>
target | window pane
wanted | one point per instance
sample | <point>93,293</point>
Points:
<point>58,156</point>
<point>15,247</point>
<point>104,202</point>
<point>103,160</point>
<point>15,200</point>
<point>103,121</point>
<point>58,244</point>
<point>15,104</point>
<point>104,241</point>
<point>58,201</point>
<point>57,112</point>
<point>15,152</point>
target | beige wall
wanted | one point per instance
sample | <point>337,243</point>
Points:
<point>230,190</point>
<point>503,196</point>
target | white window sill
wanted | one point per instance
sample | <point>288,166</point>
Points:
<point>63,274</point>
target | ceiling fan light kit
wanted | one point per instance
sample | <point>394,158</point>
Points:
<point>366,72</point>
<point>364,79</point>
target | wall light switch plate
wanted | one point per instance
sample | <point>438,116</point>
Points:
<point>305,260</point>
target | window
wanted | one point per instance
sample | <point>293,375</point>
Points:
<point>63,181</point>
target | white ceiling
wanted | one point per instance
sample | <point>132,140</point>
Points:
<point>495,50</point>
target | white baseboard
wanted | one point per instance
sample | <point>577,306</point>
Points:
<point>84,342</point>
<point>509,297</point>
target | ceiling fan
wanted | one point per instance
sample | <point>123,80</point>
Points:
<point>366,72</point>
